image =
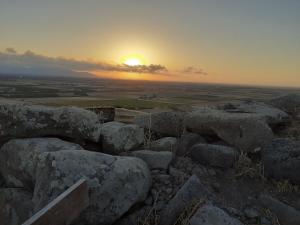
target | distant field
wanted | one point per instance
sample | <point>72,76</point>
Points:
<point>126,103</point>
<point>133,95</point>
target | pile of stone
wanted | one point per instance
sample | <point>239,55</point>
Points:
<point>45,150</point>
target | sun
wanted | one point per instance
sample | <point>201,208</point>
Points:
<point>133,60</point>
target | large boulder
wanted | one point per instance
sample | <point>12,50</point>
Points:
<point>190,193</point>
<point>286,214</point>
<point>214,155</point>
<point>281,159</point>
<point>15,206</point>
<point>115,183</point>
<point>211,215</point>
<point>289,103</point>
<point>24,121</point>
<point>271,115</point>
<point>186,141</point>
<point>165,123</point>
<point>19,157</point>
<point>243,131</point>
<point>155,160</point>
<point>119,137</point>
<point>164,144</point>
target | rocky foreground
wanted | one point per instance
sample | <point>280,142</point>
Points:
<point>231,164</point>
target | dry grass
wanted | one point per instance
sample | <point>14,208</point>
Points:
<point>285,186</point>
<point>244,167</point>
<point>152,218</point>
<point>271,216</point>
<point>189,211</point>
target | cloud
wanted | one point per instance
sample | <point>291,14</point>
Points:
<point>10,51</point>
<point>194,70</point>
<point>30,62</point>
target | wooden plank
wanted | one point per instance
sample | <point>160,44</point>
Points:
<point>65,208</point>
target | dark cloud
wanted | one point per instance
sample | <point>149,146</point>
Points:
<point>11,51</point>
<point>144,69</point>
<point>193,70</point>
<point>30,61</point>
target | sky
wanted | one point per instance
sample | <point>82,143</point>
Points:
<point>220,41</point>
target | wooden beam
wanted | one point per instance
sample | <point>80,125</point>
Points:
<point>65,208</point>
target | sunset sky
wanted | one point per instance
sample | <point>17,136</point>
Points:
<point>223,41</point>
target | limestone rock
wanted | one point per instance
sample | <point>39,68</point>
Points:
<point>19,158</point>
<point>165,123</point>
<point>214,155</point>
<point>211,215</point>
<point>243,131</point>
<point>24,121</point>
<point>155,160</point>
<point>119,137</point>
<point>186,141</point>
<point>15,206</point>
<point>115,183</point>
<point>164,144</point>
<point>286,214</point>
<point>281,159</point>
<point>191,192</point>
<point>289,103</point>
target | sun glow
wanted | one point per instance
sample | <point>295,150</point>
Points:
<point>133,60</point>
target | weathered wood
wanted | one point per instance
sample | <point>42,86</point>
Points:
<point>65,208</point>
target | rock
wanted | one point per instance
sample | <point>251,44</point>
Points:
<point>164,144</point>
<point>214,155</point>
<point>2,182</point>
<point>15,206</point>
<point>119,137</point>
<point>165,123</point>
<point>281,159</point>
<point>242,131</point>
<point>211,215</point>
<point>115,183</point>
<point>19,157</point>
<point>25,121</point>
<point>155,160</point>
<point>191,192</point>
<point>286,214</point>
<point>269,114</point>
<point>289,103</point>
<point>186,141</point>
<point>251,212</point>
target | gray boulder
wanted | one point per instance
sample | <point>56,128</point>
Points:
<point>119,137</point>
<point>211,215</point>
<point>281,159</point>
<point>186,141</point>
<point>271,115</point>
<point>191,192</point>
<point>15,206</point>
<point>19,158</point>
<point>289,103</point>
<point>164,144</point>
<point>155,160</point>
<point>165,123</point>
<point>239,130</point>
<point>24,121</point>
<point>115,183</point>
<point>286,214</point>
<point>214,155</point>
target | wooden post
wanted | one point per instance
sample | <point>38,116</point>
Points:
<point>65,208</point>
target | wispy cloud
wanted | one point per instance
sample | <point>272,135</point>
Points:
<point>193,70</point>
